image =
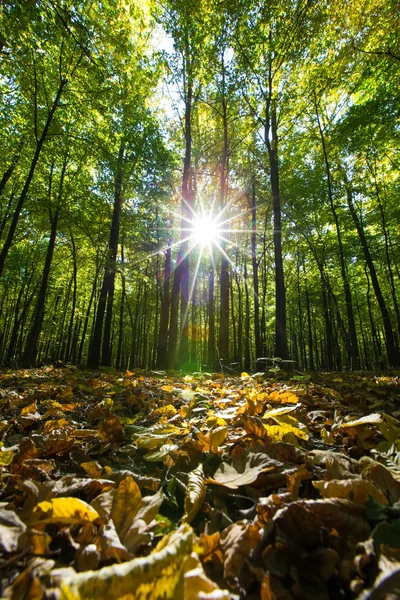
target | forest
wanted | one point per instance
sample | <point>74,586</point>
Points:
<point>199,300</point>
<point>200,185</point>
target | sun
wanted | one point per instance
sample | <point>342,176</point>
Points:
<point>205,231</point>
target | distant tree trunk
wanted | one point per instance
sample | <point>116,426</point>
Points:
<point>255,271</point>
<point>247,356</point>
<point>236,357</point>
<point>162,358</point>
<point>301,344</point>
<point>107,289</point>
<point>86,322</point>
<point>211,317</point>
<point>31,344</point>
<point>310,334</point>
<point>74,292</point>
<point>328,327</point>
<point>121,311</point>
<point>39,145</point>
<point>392,353</point>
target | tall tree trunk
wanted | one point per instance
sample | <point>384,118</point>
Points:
<point>223,337</point>
<point>387,250</point>
<point>271,129</point>
<point>392,353</point>
<point>181,275</point>
<point>107,288</point>
<point>352,342</point>
<point>257,334</point>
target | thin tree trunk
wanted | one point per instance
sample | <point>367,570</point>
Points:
<point>31,345</point>
<point>25,189</point>
<point>74,293</point>
<point>162,358</point>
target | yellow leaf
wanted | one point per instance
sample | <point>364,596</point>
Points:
<point>195,493</point>
<point>197,585</point>
<point>63,510</point>
<point>126,504</point>
<point>327,436</point>
<point>92,468</point>
<point>167,388</point>
<point>217,437</point>
<point>356,490</point>
<point>284,431</point>
<point>283,410</point>
<point>6,458</point>
<point>285,397</point>
<point>168,410</point>
<point>157,576</point>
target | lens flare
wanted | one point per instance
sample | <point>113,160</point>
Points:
<point>205,231</point>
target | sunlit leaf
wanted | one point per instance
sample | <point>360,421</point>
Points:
<point>195,493</point>
<point>356,490</point>
<point>244,470</point>
<point>157,576</point>
<point>63,510</point>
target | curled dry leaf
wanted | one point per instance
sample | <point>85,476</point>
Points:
<point>195,493</point>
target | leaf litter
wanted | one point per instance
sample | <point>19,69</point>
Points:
<point>144,485</point>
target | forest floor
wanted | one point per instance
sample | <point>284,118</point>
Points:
<point>145,485</point>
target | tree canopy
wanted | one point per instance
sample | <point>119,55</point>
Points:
<point>126,124</point>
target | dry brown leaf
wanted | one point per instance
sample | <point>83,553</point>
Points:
<point>346,517</point>
<point>237,541</point>
<point>11,527</point>
<point>244,470</point>
<point>381,477</point>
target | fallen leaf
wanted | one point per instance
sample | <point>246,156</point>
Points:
<point>63,510</point>
<point>195,493</point>
<point>158,576</point>
<point>244,470</point>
